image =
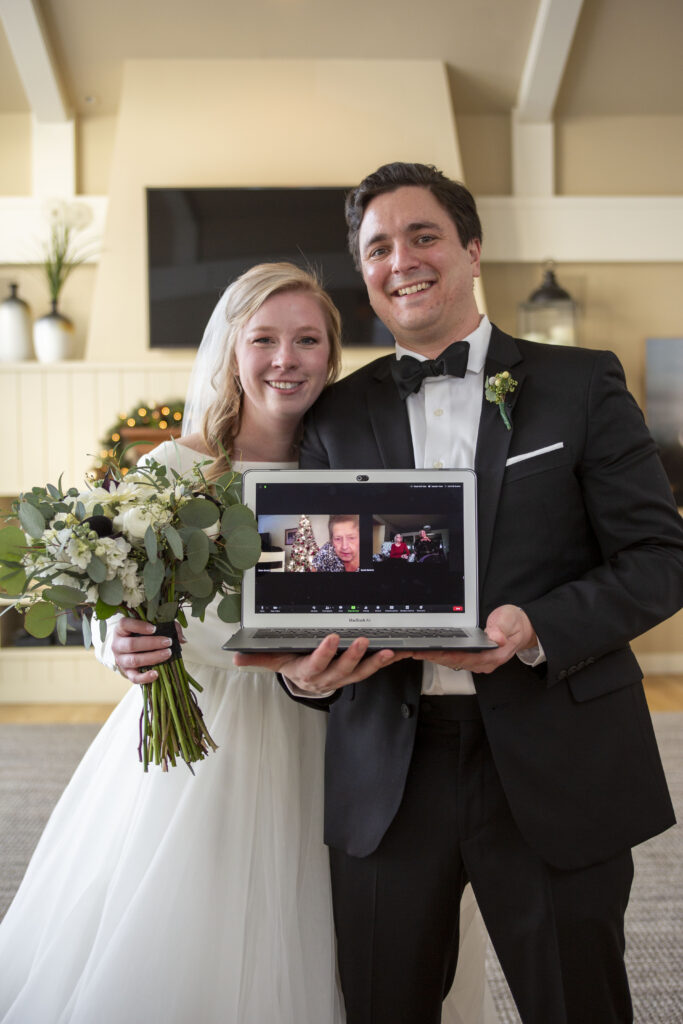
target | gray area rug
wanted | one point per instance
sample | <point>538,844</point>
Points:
<point>36,762</point>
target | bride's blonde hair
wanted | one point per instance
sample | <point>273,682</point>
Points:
<point>215,395</point>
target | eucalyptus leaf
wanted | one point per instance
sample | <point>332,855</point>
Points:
<point>97,570</point>
<point>228,479</point>
<point>197,551</point>
<point>198,585</point>
<point>167,612</point>
<point>229,608</point>
<point>53,492</point>
<point>40,619</point>
<point>235,516</point>
<point>103,628</point>
<point>244,547</point>
<point>12,544</point>
<point>31,519</point>
<point>13,581</point>
<point>87,632</point>
<point>61,628</point>
<point>65,597</point>
<point>152,608</point>
<point>104,611</point>
<point>111,592</point>
<point>80,510</point>
<point>199,606</point>
<point>151,544</point>
<point>198,512</point>
<point>153,577</point>
<point>174,541</point>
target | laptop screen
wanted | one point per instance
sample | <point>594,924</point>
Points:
<point>378,546</point>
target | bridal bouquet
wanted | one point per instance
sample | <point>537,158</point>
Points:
<point>154,544</point>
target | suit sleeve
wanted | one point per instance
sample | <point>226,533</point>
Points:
<point>637,580</point>
<point>313,454</point>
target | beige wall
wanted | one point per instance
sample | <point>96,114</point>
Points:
<point>298,123</point>
<point>620,304</point>
<point>594,156</point>
<point>95,138</point>
<point>632,156</point>
<point>15,154</point>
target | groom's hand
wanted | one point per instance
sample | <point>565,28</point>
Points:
<point>508,626</point>
<point>321,672</point>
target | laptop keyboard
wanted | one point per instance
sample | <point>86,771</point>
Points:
<point>278,634</point>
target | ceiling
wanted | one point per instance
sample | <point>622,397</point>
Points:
<point>624,60</point>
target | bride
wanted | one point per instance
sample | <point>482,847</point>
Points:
<point>171,897</point>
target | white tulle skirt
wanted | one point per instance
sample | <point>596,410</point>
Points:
<point>171,898</point>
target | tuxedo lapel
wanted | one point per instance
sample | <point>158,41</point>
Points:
<point>389,419</point>
<point>493,441</point>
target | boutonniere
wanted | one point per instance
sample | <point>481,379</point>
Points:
<point>498,388</point>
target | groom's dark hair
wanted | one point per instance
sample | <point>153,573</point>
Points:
<point>457,201</point>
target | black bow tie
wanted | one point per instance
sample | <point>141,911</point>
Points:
<point>409,373</point>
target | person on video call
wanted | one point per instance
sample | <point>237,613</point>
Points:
<point>424,545</point>
<point>399,548</point>
<point>532,769</point>
<point>342,552</point>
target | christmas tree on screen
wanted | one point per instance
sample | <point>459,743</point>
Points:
<point>304,547</point>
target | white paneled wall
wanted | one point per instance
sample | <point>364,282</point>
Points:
<point>54,415</point>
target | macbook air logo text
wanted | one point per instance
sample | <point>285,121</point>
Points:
<point>351,619</point>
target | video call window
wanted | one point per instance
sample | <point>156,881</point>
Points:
<point>341,553</point>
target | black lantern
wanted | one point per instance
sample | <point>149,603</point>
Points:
<point>549,314</point>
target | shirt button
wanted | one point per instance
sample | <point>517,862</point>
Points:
<point>437,464</point>
<point>438,412</point>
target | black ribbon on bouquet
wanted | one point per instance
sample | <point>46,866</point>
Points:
<point>167,629</point>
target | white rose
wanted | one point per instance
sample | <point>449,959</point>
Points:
<point>133,523</point>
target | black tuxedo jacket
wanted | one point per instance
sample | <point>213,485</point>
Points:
<point>585,538</point>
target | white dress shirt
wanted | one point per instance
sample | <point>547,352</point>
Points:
<point>444,423</point>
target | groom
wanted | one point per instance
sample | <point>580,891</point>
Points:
<point>531,770</point>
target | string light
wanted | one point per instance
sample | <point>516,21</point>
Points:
<point>148,415</point>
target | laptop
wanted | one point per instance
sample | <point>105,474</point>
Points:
<point>327,563</point>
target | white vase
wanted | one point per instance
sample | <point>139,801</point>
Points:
<point>53,336</point>
<point>15,329</point>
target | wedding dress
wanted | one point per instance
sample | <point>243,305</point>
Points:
<point>168,897</point>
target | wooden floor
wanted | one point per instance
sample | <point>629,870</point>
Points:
<point>664,693</point>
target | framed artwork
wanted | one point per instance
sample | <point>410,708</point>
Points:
<point>664,404</point>
<point>290,536</point>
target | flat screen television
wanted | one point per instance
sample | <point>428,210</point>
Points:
<point>201,239</point>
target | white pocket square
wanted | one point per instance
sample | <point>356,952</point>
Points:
<point>532,455</point>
